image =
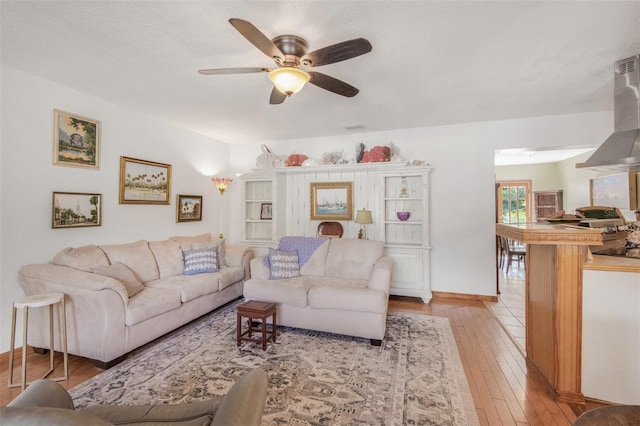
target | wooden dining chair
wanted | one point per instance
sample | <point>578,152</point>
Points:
<point>517,252</point>
<point>330,229</point>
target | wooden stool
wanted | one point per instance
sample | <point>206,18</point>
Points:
<point>255,310</point>
<point>36,301</point>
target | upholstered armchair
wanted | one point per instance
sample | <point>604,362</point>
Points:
<point>46,402</point>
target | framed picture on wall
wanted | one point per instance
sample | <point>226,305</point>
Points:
<point>144,182</point>
<point>619,190</point>
<point>76,210</point>
<point>331,200</point>
<point>76,140</point>
<point>189,208</point>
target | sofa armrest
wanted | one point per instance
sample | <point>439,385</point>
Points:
<point>43,393</point>
<point>259,269</point>
<point>381,274</point>
<point>50,278</point>
<point>95,307</point>
<point>235,254</point>
<point>244,404</point>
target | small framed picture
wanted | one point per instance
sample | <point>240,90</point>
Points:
<point>76,210</point>
<point>76,140</point>
<point>266,211</point>
<point>189,208</point>
<point>144,182</point>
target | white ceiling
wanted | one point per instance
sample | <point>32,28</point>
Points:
<point>433,62</point>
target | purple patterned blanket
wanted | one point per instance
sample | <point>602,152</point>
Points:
<point>304,245</point>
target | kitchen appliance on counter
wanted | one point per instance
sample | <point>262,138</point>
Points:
<point>615,230</point>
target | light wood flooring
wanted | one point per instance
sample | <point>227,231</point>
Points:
<point>503,391</point>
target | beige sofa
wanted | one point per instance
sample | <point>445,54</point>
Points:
<point>342,287</point>
<point>119,297</point>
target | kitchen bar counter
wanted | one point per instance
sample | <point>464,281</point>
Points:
<point>613,263</point>
<point>553,301</point>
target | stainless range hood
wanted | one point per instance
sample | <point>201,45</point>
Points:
<point>621,151</point>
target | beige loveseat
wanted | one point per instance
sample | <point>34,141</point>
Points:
<point>119,297</point>
<point>342,287</point>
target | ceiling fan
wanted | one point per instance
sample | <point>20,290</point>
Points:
<point>290,53</point>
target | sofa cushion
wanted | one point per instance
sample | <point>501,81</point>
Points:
<point>188,286</point>
<point>291,291</point>
<point>137,256</point>
<point>122,273</point>
<point>168,256</point>
<point>82,258</point>
<point>352,259</point>
<point>150,303</point>
<point>186,242</point>
<point>347,298</point>
<point>283,264</point>
<point>316,263</point>
<point>218,244</point>
<point>200,261</point>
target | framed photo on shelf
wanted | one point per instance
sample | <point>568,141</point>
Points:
<point>76,210</point>
<point>331,200</point>
<point>144,182</point>
<point>76,140</point>
<point>266,211</point>
<point>188,208</point>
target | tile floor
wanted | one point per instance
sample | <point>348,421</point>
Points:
<point>509,309</point>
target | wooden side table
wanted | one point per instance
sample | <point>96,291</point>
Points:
<point>256,310</point>
<point>37,301</point>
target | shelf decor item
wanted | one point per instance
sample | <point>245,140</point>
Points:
<point>266,211</point>
<point>76,140</point>
<point>76,210</point>
<point>402,216</point>
<point>404,191</point>
<point>144,182</point>
<point>222,184</point>
<point>363,217</point>
<point>189,208</point>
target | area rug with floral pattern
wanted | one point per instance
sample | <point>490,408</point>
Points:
<point>415,377</point>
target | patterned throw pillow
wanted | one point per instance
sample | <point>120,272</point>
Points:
<point>200,261</point>
<point>283,264</point>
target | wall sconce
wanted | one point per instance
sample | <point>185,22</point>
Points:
<point>289,80</point>
<point>363,217</point>
<point>222,184</point>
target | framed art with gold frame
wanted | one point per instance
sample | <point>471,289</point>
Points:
<point>76,140</point>
<point>188,208</point>
<point>331,200</point>
<point>144,182</point>
<point>76,210</point>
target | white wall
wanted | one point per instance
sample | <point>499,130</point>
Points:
<point>462,181</point>
<point>28,178</point>
<point>543,177</point>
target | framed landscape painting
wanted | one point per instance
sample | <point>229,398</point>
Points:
<point>76,140</point>
<point>76,210</point>
<point>189,208</point>
<point>144,182</point>
<point>331,200</point>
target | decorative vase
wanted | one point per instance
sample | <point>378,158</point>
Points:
<point>403,215</point>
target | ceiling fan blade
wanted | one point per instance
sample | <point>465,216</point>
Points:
<point>277,97</point>
<point>245,70</point>
<point>337,52</point>
<point>332,84</point>
<point>259,40</point>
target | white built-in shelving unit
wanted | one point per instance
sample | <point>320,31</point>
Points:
<point>376,186</point>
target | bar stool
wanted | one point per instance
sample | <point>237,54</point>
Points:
<point>37,301</point>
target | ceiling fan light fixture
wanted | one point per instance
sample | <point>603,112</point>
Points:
<point>289,80</point>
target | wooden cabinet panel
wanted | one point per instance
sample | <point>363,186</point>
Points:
<point>546,203</point>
